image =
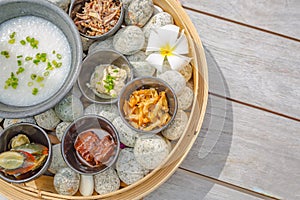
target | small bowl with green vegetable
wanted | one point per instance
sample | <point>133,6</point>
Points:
<point>103,75</point>
<point>40,56</point>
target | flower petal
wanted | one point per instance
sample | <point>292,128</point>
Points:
<point>178,61</point>
<point>156,59</point>
<point>171,32</point>
<point>181,46</point>
<point>154,42</point>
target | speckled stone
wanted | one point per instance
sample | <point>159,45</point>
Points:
<point>126,3</point>
<point>157,9</point>
<point>126,134</point>
<point>105,44</point>
<point>128,169</point>
<point>86,43</point>
<point>76,91</point>
<point>60,129</point>
<point>151,151</point>
<point>47,120</point>
<point>187,72</point>
<point>185,99</point>
<point>63,4</point>
<point>139,12</point>
<point>176,128</point>
<point>66,181</point>
<point>69,109</point>
<point>129,40</point>
<point>7,122</point>
<point>57,160</point>
<point>137,57</point>
<point>107,181</point>
<point>174,79</point>
<point>142,69</point>
<point>159,20</point>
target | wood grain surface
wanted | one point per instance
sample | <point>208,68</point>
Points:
<point>260,69</point>
<point>279,16</point>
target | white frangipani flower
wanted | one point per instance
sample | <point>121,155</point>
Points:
<point>167,43</point>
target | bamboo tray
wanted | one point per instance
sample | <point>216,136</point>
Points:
<point>43,187</point>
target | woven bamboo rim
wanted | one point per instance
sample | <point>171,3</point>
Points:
<point>41,188</point>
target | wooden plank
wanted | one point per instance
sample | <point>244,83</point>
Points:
<point>185,186</point>
<point>257,68</point>
<point>250,148</point>
<point>278,16</point>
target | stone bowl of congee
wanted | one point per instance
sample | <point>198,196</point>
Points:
<point>40,58</point>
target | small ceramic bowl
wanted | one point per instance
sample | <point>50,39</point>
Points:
<point>146,83</point>
<point>77,6</point>
<point>96,124</point>
<point>36,135</point>
<point>101,58</point>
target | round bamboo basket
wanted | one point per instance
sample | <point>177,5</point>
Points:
<point>43,188</point>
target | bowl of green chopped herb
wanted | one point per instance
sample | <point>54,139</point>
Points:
<point>103,75</point>
<point>40,56</point>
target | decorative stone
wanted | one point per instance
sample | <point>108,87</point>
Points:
<point>1,129</point>
<point>109,111</point>
<point>57,160</point>
<point>128,169</point>
<point>47,120</point>
<point>1,119</point>
<point>86,43</point>
<point>105,44</point>
<point>86,187</point>
<point>129,40</point>
<point>176,128</point>
<point>174,79</point>
<point>159,20</point>
<point>151,151</point>
<point>157,9</point>
<point>139,12</point>
<point>7,122</point>
<point>142,69</point>
<point>185,99</point>
<point>126,3</point>
<point>60,129</point>
<point>76,91</point>
<point>187,72</point>
<point>137,57</point>
<point>126,134</point>
<point>69,109</point>
<point>107,181</point>
<point>66,181</point>
<point>63,4</point>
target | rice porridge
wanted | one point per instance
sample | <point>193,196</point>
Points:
<point>35,60</point>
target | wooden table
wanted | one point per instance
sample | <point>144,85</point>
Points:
<point>249,145</point>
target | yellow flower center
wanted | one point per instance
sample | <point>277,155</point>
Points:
<point>166,50</point>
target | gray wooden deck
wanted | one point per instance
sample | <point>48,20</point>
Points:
<point>249,145</point>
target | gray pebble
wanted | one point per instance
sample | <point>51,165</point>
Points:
<point>1,119</point>
<point>187,72</point>
<point>174,79</point>
<point>60,129</point>
<point>76,91</point>
<point>126,3</point>
<point>139,12</point>
<point>86,43</point>
<point>142,69</point>
<point>128,169</point>
<point>126,134</point>
<point>139,56</point>
<point>129,40</point>
<point>66,181</point>
<point>63,4</point>
<point>96,109</point>
<point>185,99</point>
<point>57,160</point>
<point>177,127</point>
<point>7,122</point>
<point>69,109</point>
<point>151,151</point>
<point>159,20</point>
<point>157,9</point>
<point>47,120</point>
<point>107,181</point>
<point>105,44</point>
<point>1,129</point>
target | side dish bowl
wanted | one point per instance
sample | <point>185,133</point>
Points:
<point>10,9</point>
<point>71,153</point>
<point>143,83</point>
<point>99,60</point>
<point>36,135</point>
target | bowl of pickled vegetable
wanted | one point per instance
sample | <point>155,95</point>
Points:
<point>147,105</point>
<point>25,153</point>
